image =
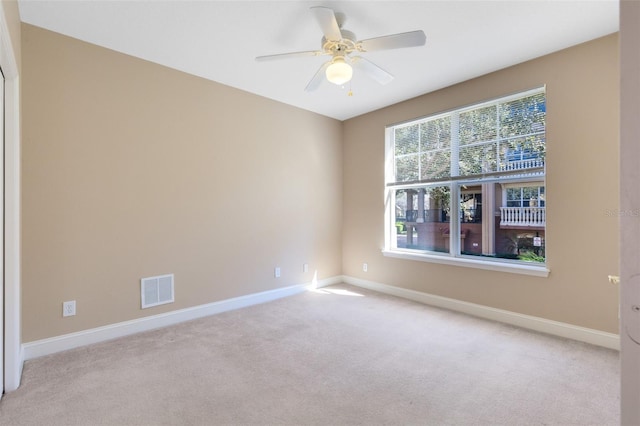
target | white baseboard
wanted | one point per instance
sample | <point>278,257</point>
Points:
<point>587,335</point>
<point>52,345</point>
<point>100,334</point>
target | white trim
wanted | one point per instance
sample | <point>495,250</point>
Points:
<point>569,331</point>
<point>390,232</point>
<point>519,184</point>
<point>13,355</point>
<point>100,334</point>
<point>498,265</point>
<point>466,108</point>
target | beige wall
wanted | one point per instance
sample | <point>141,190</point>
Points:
<point>582,192</point>
<point>132,170</point>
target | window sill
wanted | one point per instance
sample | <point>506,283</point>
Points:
<point>490,265</point>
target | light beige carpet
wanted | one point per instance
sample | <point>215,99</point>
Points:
<point>338,356</point>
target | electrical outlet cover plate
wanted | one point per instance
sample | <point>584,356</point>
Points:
<point>69,308</point>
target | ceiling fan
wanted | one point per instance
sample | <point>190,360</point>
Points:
<point>341,44</point>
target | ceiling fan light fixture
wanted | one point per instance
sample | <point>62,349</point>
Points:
<point>339,72</point>
<point>340,44</point>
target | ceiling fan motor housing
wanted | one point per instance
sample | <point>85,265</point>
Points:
<point>341,47</point>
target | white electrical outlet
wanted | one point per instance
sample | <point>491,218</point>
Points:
<point>365,267</point>
<point>305,267</point>
<point>69,308</point>
<point>276,272</point>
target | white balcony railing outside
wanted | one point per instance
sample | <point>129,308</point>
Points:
<point>523,216</point>
<point>522,164</point>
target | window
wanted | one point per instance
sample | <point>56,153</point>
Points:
<point>525,196</point>
<point>469,185</point>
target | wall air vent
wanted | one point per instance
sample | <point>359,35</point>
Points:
<point>156,291</point>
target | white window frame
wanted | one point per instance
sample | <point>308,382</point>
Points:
<point>526,184</point>
<point>454,257</point>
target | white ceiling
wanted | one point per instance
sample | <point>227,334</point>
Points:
<point>218,40</point>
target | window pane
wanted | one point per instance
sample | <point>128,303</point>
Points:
<point>523,116</point>
<point>435,164</point>
<point>478,159</point>
<point>471,206</point>
<point>514,197</point>
<point>478,125</point>
<point>471,219</point>
<point>521,244</point>
<point>407,140</point>
<point>530,196</point>
<point>525,196</point>
<point>422,218</point>
<point>407,168</point>
<point>520,233</point>
<point>435,153</point>
<point>522,153</point>
<point>436,134</point>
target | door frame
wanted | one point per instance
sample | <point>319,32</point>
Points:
<point>13,356</point>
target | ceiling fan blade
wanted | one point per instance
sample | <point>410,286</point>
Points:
<point>318,78</point>
<point>289,55</point>
<point>371,69</point>
<point>394,41</point>
<point>328,23</point>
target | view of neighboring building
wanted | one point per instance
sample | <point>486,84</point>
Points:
<point>491,158</point>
